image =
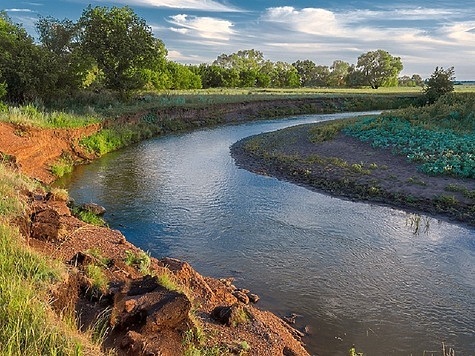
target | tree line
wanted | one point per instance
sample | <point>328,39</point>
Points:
<point>113,48</point>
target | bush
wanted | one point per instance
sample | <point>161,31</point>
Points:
<point>439,83</point>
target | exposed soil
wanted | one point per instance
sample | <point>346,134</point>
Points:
<point>349,168</point>
<point>34,150</point>
<point>142,317</point>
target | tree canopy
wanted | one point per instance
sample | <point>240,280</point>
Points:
<point>379,68</point>
<point>121,44</point>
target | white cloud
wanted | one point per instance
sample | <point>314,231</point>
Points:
<point>202,5</point>
<point>463,32</point>
<point>18,10</point>
<point>203,27</point>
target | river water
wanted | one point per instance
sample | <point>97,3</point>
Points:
<point>356,273</point>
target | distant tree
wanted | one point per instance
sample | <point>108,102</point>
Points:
<point>417,79</point>
<point>440,82</point>
<point>241,60</point>
<point>338,73</point>
<point>407,81</point>
<point>311,75</point>
<point>181,77</point>
<point>122,45</point>
<point>284,75</point>
<point>379,68</point>
<point>245,63</point>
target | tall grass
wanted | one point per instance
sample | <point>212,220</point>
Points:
<point>31,115</point>
<point>28,325</point>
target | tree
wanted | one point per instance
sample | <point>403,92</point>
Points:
<point>182,77</point>
<point>122,45</point>
<point>379,68</point>
<point>338,73</point>
<point>312,75</point>
<point>284,75</point>
<point>59,38</point>
<point>440,82</point>
<point>23,65</point>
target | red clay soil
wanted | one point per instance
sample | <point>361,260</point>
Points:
<point>35,150</point>
<point>140,315</point>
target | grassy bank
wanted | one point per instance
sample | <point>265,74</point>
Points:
<point>28,325</point>
<point>421,159</point>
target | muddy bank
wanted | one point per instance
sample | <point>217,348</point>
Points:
<point>351,169</point>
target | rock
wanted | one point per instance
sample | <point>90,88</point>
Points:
<point>291,318</point>
<point>253,298</point>
<point>146,306</point>
<point>289,352</point>
<point>242,297</point>
<point>45,225</point>
<point>132,342</point>
<point>230,315</point>
<point>94,208</point>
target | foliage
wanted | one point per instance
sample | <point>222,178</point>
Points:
<point>140,260</point>
<point>23,65</point>
<point>88,217</point>
<point>98,279</point>
<point>310,74</point>
<point>439,83</point>
<point>379,68</point>
<point>437,151</point>
<point>63,165</point>
<point>338,73</point>
<point>122,45</point>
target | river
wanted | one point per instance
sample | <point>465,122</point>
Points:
<point>353,272</point>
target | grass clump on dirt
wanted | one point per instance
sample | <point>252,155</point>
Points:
<point>28,325</point>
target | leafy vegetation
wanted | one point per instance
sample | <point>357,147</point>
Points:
<point>440,145</point>
<point>88,217</point>
<point>440,82</point>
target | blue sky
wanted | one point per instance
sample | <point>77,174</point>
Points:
<point>424,33</point>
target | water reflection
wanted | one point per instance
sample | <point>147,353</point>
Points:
<point>354,271</point>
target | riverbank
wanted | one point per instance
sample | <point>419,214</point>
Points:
<point>346,167</point>
<point>105,285</point>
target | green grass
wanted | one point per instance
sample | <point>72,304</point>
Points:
<point>31,115</point>
<point>28,326</point>
<point>140,260</point>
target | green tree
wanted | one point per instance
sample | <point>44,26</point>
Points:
<point>312,75</point>
<point>338,73</point>
<point>67,66</point>
<point>284,75</point>
<point>182,77</point>
<point>379,68</point>
<point>122,45</point>
<point>23,66</point>
<point>440,82</point>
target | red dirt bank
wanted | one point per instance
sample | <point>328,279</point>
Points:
<point>143,318</point>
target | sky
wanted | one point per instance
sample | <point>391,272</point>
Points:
<point>423,33</point>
